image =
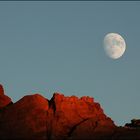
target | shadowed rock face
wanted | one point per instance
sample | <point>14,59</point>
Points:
<point>61,118</point>
<point>135,123</point>
<point>4,100</point>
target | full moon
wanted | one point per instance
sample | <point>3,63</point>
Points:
<point>114,45</point>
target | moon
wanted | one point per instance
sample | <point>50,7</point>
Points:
<point>114,45</point>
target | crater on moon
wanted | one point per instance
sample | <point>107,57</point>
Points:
<point>114,45</point>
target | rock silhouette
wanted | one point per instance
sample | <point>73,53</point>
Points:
<point>62,118</point>
<point>135,123</point>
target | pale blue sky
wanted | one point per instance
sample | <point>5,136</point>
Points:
<point>48,47</point>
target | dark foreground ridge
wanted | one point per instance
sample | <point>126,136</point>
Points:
<point>62,118</point>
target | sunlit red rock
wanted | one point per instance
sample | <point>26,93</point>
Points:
<point>62,118</point>
<point>72,112</point>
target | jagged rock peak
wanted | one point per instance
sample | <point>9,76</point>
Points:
<point>60,97</point>
<point>1,90</point>
<point>4,100</point>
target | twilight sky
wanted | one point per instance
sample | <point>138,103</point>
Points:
<point>48,47</point>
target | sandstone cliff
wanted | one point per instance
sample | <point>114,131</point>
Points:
<point>61,118</point>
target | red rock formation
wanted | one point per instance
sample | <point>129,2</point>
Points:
<point>1,90</point>
<point>25,119</point>
<point>61,118</point>
<point>4,100</point>
<point>73,115</point>
<point>34,117</point>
